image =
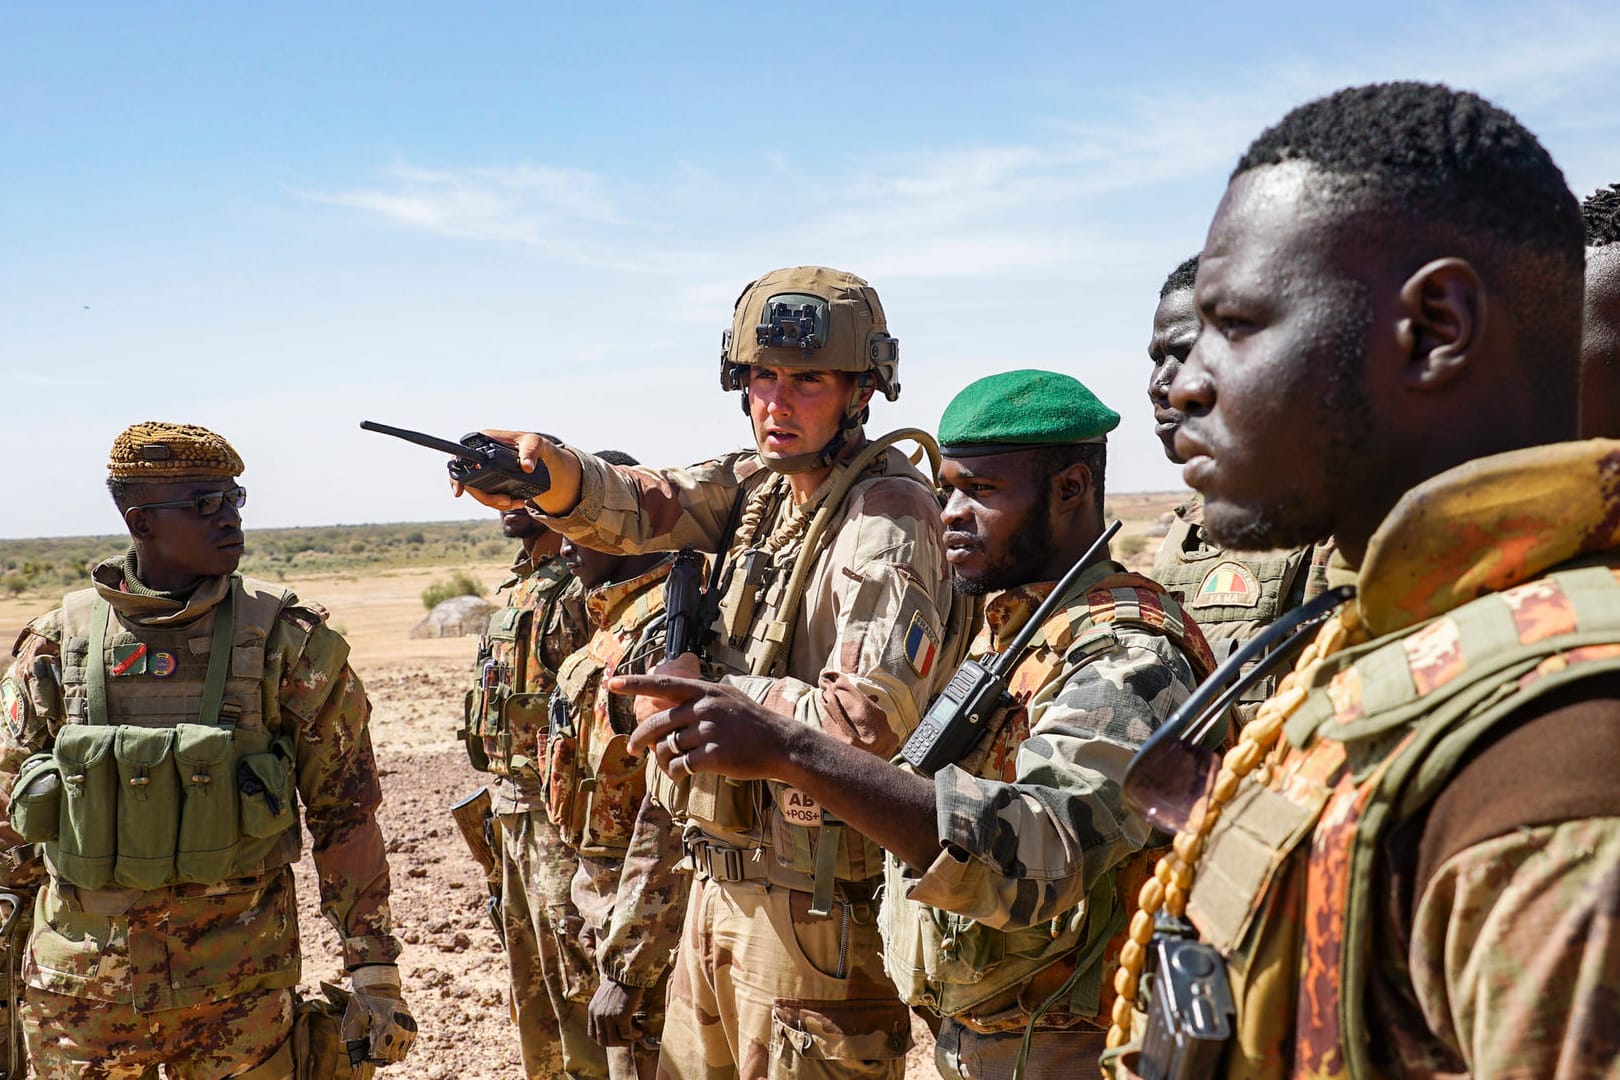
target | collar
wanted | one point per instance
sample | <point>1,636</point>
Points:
<point>1486,526</point>
<point>612,605</point>
<point>115,581</point>
<point>1006,613</point>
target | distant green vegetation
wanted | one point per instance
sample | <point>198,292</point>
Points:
<point>459,583</point>
<point>53,565</point>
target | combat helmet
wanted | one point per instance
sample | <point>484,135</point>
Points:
<point>817,318</point>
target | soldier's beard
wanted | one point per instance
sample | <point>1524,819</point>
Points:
<point>1027,546</point>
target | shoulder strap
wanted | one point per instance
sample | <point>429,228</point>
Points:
<point>1129,599</point>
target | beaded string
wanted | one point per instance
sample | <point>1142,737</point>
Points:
<point>1172,878</point>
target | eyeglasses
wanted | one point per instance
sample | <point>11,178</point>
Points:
<point>1174,771</point>
<point>207,504</point>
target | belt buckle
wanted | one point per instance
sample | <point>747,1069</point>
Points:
<point>733,860</point>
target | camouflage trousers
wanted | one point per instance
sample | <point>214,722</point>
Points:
<point>72,1038</point>
<point>960,1053</point>
<point>551,975</point>
<point>762,988</point>
<point>596,885</point>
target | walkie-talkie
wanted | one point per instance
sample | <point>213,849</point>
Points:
<point>480,462</point>
<point>956,720</point>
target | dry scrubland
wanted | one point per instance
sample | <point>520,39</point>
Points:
<point>371,579</point>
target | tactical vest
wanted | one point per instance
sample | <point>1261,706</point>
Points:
<point>504,713</point>
<point>993,980</point>
<point>171,766</point>
<point>1380,734</point>
<point>593,783</point>
<point>1232,596</point>
<point>756,614</point>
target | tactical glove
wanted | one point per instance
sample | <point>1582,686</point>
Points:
<point>376,1026</point>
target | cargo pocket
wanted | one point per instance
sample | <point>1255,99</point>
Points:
<point>865,1038</point>
<point>208,812</point>
<point>471,705</point>
<point>148,807</point>
<point>526,723</point>
<point>578,973</point>
<point>36,800</point>
<point>88,845</point>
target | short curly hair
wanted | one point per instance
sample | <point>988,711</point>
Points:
<point>1182,277</point>
<point>1601,210</point>
<point>1419,170</point>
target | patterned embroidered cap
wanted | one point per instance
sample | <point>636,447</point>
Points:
<point>156,452</point>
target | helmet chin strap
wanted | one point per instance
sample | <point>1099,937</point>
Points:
<point>854,416</point>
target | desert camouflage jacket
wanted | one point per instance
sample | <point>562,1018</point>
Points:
<point>1425,884</point>
<point>870,623</point>
<point>182,944</point>
<point>540,587</point>
<point>594,785</point>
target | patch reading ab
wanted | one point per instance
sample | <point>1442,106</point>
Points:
<point>799,808</point>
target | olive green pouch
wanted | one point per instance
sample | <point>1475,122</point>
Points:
<point>265,793</point>
<point>148,806</point>
<point>87,848</point>
<point>36,799</point>
<point>206,849</point>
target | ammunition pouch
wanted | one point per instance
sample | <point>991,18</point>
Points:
<point>142,808</point>
<point>317,1046</point>
<point>503,722</point>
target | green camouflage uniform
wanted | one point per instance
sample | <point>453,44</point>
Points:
<point>1027,900</point>
<point>1425,883</point>
<point>596,793</point>
<point>761,986</point>
<point>536,910</point>
<point>198,977</point>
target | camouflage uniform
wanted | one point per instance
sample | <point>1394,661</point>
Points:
<point>1037,800</point>
<point>1454,909</point>
<point>537,913</point>
<point>761,986</point>
<point>197,977</point>
<point>595,794</point>
<point>1235,595</point>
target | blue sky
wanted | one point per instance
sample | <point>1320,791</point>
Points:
<point>279,220</point>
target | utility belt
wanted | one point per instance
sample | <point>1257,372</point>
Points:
<point>716,861</point>
<point>142,808</point>
<point>114,901</point>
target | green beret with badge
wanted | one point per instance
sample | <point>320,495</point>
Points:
<point>1020,410</point>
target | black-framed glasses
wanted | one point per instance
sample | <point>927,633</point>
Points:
<point>1174,771</point>
<point>206,504</point>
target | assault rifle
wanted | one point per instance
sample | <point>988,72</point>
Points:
<point>475,820</point>
<point>480,462</point>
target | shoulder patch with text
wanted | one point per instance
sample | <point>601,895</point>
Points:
<point>921,647</point>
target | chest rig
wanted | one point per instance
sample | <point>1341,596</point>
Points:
<point>1052,974</point>
<point>593,784</point>
<point>504,712</point>
<point>1285,888</point>
<point>772,555</point>
<point>171,766</point>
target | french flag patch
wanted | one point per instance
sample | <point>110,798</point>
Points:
<point>921,648</point>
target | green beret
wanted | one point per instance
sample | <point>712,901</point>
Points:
<point>1017,410</point>
<point>157,452</point>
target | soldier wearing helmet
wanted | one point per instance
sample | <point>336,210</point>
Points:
<point>829,599</point>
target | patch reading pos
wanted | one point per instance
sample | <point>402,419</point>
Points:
<point>479,462</point>
<point>956,720</point>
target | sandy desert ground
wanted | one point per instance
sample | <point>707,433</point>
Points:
<point>453,971</point>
